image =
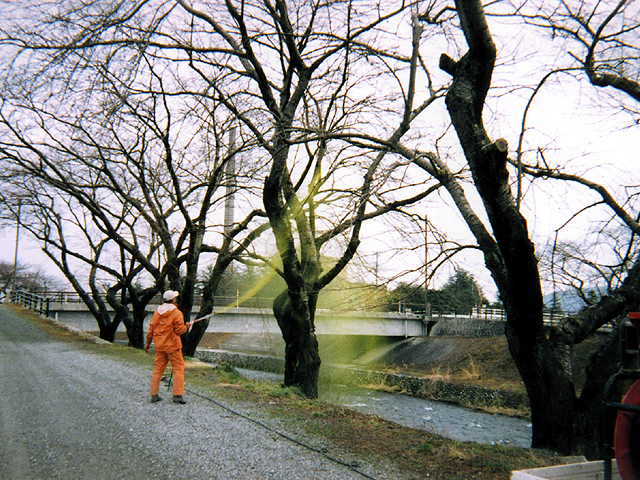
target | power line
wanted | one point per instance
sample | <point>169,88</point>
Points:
<point>352,465</point>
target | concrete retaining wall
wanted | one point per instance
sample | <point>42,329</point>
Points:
<point>262,363</point>
<point>465,395</point>
<point>467,327</point>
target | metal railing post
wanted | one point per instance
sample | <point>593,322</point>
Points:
<point>32,301</point>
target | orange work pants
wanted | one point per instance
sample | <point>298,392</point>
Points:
<point>177,365</point>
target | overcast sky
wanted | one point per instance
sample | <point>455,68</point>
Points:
<point>569,120</point>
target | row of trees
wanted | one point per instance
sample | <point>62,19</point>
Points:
<point>27,278</point>
<point>116,126</point>
<point>459,295</point>
<point>118,133</point>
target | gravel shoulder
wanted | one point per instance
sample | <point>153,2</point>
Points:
<point>69,413</point>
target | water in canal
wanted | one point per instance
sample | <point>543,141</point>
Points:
<point>451,421</point>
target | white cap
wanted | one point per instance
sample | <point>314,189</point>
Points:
<point>170,295</point>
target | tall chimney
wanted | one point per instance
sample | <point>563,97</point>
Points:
<point>230,178</point>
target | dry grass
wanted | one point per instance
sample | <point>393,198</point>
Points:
<point>471,372</point>
<point>474,361</point>
<point>439,373</point>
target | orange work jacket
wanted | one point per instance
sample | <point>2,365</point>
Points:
<point>166,327</point>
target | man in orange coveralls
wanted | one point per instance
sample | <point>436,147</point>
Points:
<point>165,329</point>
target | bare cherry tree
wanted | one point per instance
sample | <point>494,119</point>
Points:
<point>136,158</point>
<point>313,69</point>
<point>303,80</point>
<point>562,419</point>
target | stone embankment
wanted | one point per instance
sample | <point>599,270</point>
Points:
<point>464,395</point>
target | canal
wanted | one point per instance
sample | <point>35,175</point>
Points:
<point>451,421</point>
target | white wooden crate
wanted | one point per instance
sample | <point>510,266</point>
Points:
<point>574,471</point>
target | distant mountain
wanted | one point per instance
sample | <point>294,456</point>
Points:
<point>569,301</point>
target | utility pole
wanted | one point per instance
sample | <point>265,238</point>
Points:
<point>427,307</point>
<point>15,257</point>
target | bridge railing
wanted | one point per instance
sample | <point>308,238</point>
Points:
<point>435,311</point>
<point>32,301</point>
<point>487,313</point>
<point>219,301</point>
<point>551,317</point>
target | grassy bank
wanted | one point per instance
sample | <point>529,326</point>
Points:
<point>413,453</point>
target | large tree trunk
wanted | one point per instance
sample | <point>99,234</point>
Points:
<point>108,330</point>
<point>302,358</point>
<point>550,390</point>
<point>122,314</point>
<point>588,426</point>
<point>295,317</point>
<point>139,302</point>
<point>135,331</point>
<point>551,394</point>
<point>561,421</point>
<point>192,338</point>
<point>588,421</point>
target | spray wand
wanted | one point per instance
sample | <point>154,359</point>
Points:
<point>195,321</point>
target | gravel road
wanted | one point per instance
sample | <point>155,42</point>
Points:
<point>67,413</point>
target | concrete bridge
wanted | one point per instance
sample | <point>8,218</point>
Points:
<point>254,320</point>
<point>258,318</point>
<point>262,321</point>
